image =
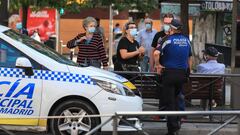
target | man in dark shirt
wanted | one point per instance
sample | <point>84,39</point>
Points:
<point>159,36</point>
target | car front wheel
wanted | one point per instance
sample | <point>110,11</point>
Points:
<point>73,126</point>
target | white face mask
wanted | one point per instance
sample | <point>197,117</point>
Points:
<point>91,29</point>
<point>148,26</point>
<point>166,28</point>
<point>133,32</point>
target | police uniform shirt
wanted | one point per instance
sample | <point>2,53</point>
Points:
<point>175,52</point>
<point>124,43</point>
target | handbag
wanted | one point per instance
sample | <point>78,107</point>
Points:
<point>129,67</point>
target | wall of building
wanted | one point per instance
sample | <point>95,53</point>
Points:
<point>69,28</point>
<point>71,24</point>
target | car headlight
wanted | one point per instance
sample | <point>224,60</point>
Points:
<point>114,87</point>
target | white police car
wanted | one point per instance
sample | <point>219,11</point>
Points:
<point>35,81</point>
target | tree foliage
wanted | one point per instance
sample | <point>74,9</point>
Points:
<point>141,5</point>
<point>35,4</point>
<point>16,4</point>
<point>75,7</point>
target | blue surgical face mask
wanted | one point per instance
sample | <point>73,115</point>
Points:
<point>133,32</point>
<point>148,26</point>
<point>19,26</point>
<point>91,29</point>
<point>166,28</point>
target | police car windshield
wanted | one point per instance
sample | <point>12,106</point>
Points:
<point>41,48</point>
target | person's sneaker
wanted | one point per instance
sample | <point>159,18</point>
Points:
<point>214,104</point>
<point>206,116</point>
<point>157,118</point>
<point>183,119</point>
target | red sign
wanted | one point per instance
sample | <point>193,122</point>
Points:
<point>43,21</point>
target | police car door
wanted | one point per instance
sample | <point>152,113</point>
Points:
<point>20,95</point>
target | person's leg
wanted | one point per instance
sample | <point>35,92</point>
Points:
<point>170,100</point>
<point>177,79</point>
<point>181,102</point>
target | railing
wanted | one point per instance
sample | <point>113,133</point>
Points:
<point>118,115</point>
<point>227,79</point>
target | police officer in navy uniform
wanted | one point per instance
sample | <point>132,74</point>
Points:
<point>175,57</point>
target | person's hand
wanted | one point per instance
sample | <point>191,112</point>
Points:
<point>81,39</point>
<point>105,67</point>
<point>159,68</point>
<point>141,50</point>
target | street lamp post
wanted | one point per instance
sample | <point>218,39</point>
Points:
<point>110,34</point>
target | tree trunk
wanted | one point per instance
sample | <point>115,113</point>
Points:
<point>24,16</point>
<point>184,16</point>
<point>4,12</point>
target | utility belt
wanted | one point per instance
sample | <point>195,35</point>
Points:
<point>174,69</point>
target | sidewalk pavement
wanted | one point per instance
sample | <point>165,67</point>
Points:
<point>159,128</point>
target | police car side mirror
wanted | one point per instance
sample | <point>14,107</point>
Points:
<point>25,64</point>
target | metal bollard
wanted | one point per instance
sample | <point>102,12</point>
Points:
<point>115,124</point>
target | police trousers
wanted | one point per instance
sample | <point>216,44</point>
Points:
<point>172,83</point>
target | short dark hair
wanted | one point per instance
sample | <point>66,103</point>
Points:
<point>168,15</point>
<point>97,19</point>
<point>128,23</point>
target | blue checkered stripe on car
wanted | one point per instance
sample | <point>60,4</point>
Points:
<point>46,75</point>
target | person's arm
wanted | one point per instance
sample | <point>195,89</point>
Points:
<point>154,45</point>
<point>158,66</point>
<point>73,43</point>
<point>101,52</point>
<point>190,63</point>
<point>200,69</point>
<point>190,58</point>
<point>151,61</point>
<point>126,55</point>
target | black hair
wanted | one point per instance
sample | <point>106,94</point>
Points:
<point>128,23</point>
<point>117,24</point>
<point>168,15</point>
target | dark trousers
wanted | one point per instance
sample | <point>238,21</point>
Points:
<point>172,81</point>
